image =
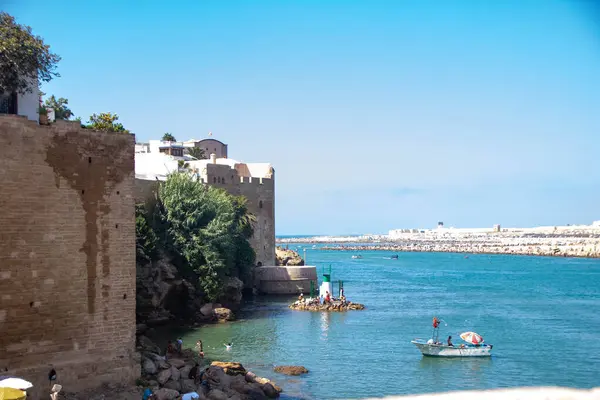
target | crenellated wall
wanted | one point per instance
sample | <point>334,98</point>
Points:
<point>67,254</point>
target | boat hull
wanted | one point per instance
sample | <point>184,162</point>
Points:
<point>438,350</point>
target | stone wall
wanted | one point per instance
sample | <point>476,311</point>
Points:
<point>285,280</point>
<point>67,254</point>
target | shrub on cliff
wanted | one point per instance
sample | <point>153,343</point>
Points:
<point>209,228</point>
<point>145,238</point>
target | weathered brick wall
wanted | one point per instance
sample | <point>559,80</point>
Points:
<point>67,254</point>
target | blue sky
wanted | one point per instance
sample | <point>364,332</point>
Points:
<point>376,114</point>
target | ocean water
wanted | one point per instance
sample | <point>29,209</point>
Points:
<point>542,315</point>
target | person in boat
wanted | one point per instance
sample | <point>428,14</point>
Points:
<point>450,341</point>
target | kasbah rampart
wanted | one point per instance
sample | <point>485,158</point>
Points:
<point>67,247</point>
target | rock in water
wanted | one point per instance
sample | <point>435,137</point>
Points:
<point>230,368</point>
<point>177,363</point>
<point>284,257</point>
<point>291,370</point>
<point>224,314</point>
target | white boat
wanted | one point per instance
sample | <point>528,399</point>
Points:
<point>356,257</point>
<point>432,349</point>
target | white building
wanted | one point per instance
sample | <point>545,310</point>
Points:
<point>25,104</point>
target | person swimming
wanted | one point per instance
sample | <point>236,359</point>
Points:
<point>228,346</point>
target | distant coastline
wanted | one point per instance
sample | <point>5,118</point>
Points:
<point>558,241</point>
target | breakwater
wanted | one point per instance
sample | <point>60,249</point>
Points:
<point>559,247</point>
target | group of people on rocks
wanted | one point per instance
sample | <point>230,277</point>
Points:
<point>327,299</point>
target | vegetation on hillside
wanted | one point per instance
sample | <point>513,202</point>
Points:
<point>205,227</point>
<point>24,57</point>
<point>60,106</point>
<point>106,122</point>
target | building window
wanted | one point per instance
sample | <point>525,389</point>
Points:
<point>214,180</point>
<point>260,204</point>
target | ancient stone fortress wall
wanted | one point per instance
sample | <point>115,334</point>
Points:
<point>260,193</point>
<point>67,254</point>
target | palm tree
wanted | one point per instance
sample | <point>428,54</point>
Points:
<point>168,137</point>
<point>196,152</point>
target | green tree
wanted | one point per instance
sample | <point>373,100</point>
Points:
<point>145,238</point>
<point>167,137</point>
<point>196,152</point>
<point>24,57</point>
<point>60,106</point>
<point>106,122</point>
<point>209,228</point>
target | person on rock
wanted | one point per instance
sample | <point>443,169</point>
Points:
<point>170,348</point>
<point>179,345</point>
<point>327,298</point>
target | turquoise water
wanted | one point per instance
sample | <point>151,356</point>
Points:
<point>541,314</point>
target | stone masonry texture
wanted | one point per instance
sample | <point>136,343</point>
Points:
<point>67,255</point>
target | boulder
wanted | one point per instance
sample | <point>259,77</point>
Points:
<point>171,384</point>
<point>175,374</point>
<point>270,391</point>
<point>291,370</point>
<point>176,362</point>
<point>230,368</point>
<point>232,292</point>
<point>187,385</point>
<point>185,371</point>
<point>162,364</point>
<point>256,393</point>
<point>217,394</point>
<point>166,394</point>
<point>148,345</point>
<point>163,376</point>
<point>285,257</point>
<point>207,309</point>
<point>149,367</point>
<point>223,314</point>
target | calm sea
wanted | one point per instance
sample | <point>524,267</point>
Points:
<point>541,314</point>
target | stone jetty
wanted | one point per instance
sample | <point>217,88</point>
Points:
<point>334,306</point>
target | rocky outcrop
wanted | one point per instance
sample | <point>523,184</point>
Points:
<point>291,370</point>
<point>223,314</point>
<point>285,257</point>
<point>168,378</point>
<point>164,295</point>
<point>334,306</point>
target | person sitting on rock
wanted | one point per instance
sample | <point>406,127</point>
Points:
<point>179,345</point>
<point>327,298</point>
<point>301,298</point>
<point>170,348</point>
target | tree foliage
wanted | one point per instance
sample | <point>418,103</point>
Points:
<point>196,152</point>
<point>60,106</point>
<point>209,228</point>
<point>106,122</point>
<point>24,57</point>
<point>168,137</point>
<point>145,238</point>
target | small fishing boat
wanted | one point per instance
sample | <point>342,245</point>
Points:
<point>434,348</point>
<point>356,256</point>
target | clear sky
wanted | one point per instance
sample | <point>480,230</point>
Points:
<point>375,114</point>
